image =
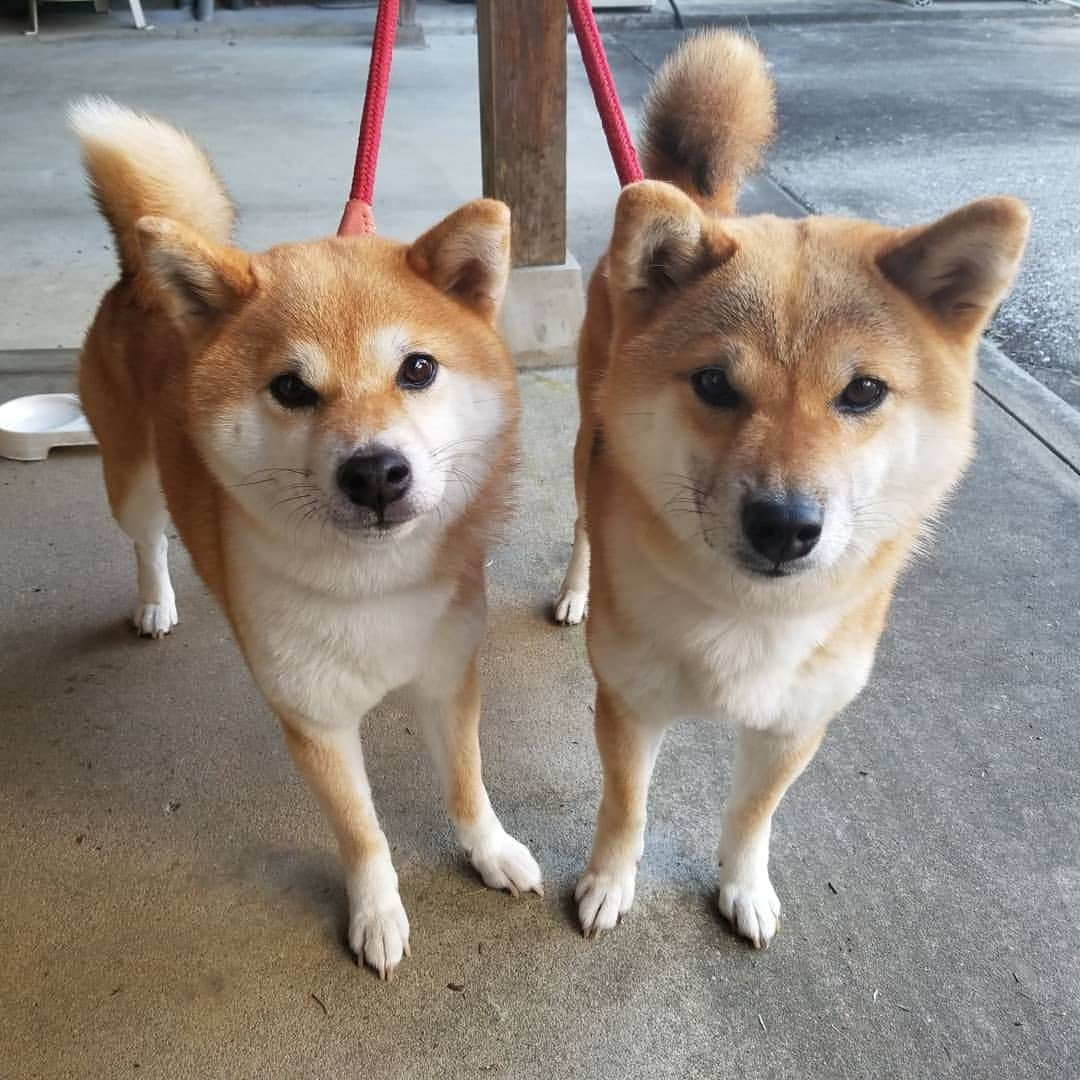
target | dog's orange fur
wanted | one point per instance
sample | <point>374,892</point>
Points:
<point>791,311</point>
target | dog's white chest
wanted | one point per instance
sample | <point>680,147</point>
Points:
<point>680,651</point>
<point>754,671</point>
<point>330,655</point>
<point>750,671</point>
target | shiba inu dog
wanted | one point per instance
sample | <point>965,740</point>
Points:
<point>771,412</point>
<point>332,428</point>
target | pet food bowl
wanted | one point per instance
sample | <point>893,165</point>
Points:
<point>31,426</point>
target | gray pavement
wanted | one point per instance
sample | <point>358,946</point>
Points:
<point>171,898</point>
<point>170,903</point>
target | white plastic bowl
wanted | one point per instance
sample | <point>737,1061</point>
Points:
<point>31,426</point>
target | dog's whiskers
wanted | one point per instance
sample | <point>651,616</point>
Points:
<point>249,480</point>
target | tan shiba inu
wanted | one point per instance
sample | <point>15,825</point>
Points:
<point>332,428</point>
<point>771,411</point>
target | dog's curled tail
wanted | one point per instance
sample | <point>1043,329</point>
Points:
<point>709,115</point>
<point>140,166</point>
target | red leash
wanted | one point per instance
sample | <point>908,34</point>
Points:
<point>607,97</point>
<point>357,219</point>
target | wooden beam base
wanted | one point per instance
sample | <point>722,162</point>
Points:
<point>542,314</point>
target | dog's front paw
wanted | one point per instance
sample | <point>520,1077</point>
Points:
<point>155,620</point>
<point>378,925</point>
<point>752,907</point>
<point>379,934</point>
<point>571,606</point>
<point>506,863</point>
<point>603,897</point>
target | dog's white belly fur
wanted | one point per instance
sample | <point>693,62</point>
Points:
<point>746,673</point>
<point>328,655</point>
<point>692,657</point>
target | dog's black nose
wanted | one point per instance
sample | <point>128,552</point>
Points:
<point>783,529</point>
<point>375,478</point>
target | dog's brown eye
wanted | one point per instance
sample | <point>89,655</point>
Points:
<point>417,371</point>
<point>861,395</point>
<point>291,392</point>
<point>712,386</point>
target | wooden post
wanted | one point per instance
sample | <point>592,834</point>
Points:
<point>409,31</point>
<point>523,121</point>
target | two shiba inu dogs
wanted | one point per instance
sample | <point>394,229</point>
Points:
<point>770,411</point>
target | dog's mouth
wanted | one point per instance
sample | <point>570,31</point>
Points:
<point>373,526</point>
<point>772,573</point>
<point>762,569</point>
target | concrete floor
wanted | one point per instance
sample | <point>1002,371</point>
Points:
<point>170,901</point>
<point>171,897</point>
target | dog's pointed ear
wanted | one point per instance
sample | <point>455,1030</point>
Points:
<point>960,267</point>
<point>198,281</point>
<point>467,255</point>
<point>662,242</point>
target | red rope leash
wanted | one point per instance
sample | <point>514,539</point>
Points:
<point>607,97</point>
<point>357,219</point>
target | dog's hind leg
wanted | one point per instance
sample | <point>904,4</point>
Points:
<point>117,412</point>
<point>766,765</point>
<point>452,730</point>
<point>572,602</point>
<point>139,508</point>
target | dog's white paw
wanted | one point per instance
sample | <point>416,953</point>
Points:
<point>506,863</point>
<point>752,907</point>
<point>379,932</point>
<point>603,897</point>
<point>155,620</point>
<point>571,606</point>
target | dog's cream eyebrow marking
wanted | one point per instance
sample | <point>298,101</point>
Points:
<point>387,346</point>
<point>310,363</point>
<point>851,365</point>
<point>718,344</point>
